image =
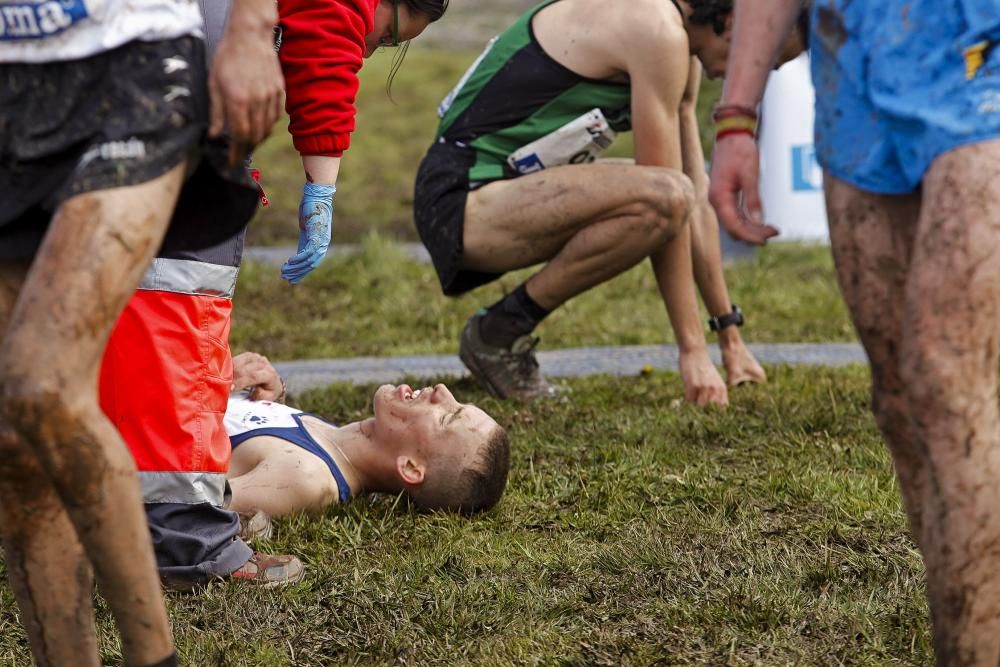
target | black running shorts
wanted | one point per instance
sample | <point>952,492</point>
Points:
<point>116,119</point>
<point>439,213</point>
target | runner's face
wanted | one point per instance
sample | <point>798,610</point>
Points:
<point>410,26</point>
<point>432,421</point>
<point>715,51</point>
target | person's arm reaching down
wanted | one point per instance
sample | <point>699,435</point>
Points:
<point>759,31</point>
<point>322,51</point>
<point>706,254</point>
<point>658,78</point>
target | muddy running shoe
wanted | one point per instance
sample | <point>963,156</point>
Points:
<point>255,525</point>
<point>506,373</point>
<point>262,570</point>
<point>269,571</point>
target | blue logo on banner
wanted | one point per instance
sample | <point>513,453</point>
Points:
<point>806,173</point>
<point>37,20</point>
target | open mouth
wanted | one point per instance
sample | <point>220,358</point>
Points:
<point>407,393</point>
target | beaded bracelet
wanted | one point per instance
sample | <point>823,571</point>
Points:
<point>730,110</point>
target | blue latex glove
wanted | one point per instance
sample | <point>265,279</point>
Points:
<point>315,231</point>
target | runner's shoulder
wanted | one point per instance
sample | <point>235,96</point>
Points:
<point>652,26</point>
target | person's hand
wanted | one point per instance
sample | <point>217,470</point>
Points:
<point>741,366</point>
<point>245,83</point>
<point>251,370</point>
<point>735,165</point>
<point>702,383</point>
<point>315,231</point>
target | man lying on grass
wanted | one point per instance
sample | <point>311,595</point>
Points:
<point>441,454</point>
<point>509,182</point>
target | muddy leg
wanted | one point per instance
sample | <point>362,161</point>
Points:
<point>47,568</point>
<point>589,222</point>
<point>951,345</point>
<point>94,255</point>
<point>872,240</point>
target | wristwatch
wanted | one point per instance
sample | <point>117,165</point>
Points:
<point>734,318</point>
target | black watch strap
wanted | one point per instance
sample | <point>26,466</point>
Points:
<point>735,318</point>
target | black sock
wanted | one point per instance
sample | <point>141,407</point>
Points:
<point>169,661</point>
<point>510,318</point>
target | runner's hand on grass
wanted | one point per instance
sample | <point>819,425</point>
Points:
<point>702,383</point>
<point>315,231</point>
<point>735,165</point>
<point>741,366</point>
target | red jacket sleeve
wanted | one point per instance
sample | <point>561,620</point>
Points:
<point>322,49</point>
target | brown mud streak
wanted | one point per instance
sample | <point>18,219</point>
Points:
<point>14,556</point>
<point>25,510</point>
<point>957,318</point>
<point>121,240</point>
<point>872,242</point>
<point>830,28</point>
<point>19,578</point>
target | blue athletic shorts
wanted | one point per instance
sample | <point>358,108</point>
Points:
<point>896,88</point>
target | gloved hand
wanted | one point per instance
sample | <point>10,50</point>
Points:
<point>315,231</point>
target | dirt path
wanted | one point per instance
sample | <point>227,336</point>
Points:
<point>577,362</point>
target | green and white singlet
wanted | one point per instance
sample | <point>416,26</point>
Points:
<point>515,93</point>
<point>512,96</point>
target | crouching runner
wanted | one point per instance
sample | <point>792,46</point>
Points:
<point>551,91</point>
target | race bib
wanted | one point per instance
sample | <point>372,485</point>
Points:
<point>578,142</point>
<point>38,20</point>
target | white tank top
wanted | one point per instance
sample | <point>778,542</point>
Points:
<point>244,415</point>
<point>38,31</point>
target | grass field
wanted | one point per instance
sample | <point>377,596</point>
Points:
<point>635,531</point>
<point>379,303</point>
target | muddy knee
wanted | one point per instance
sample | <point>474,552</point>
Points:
<point>667,200</point>
<point>61,435</point>
<point>16,458</point>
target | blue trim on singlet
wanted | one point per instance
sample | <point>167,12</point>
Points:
<point>300,436</point>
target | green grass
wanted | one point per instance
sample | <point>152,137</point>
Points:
<point>380,303</point>
<point>375,189</point>
<point>635,531</point>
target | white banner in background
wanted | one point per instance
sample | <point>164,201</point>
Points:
<point>790,178</point>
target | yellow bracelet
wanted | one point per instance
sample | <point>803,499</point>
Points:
<point>736,123</point>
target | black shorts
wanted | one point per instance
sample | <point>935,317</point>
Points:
<point>120,118</point>
<point>439,213</point>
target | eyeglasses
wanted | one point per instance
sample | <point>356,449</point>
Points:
<point>395,27</point>
<point>395,22</point>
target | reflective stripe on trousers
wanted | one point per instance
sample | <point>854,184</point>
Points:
<point>166,377</point>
